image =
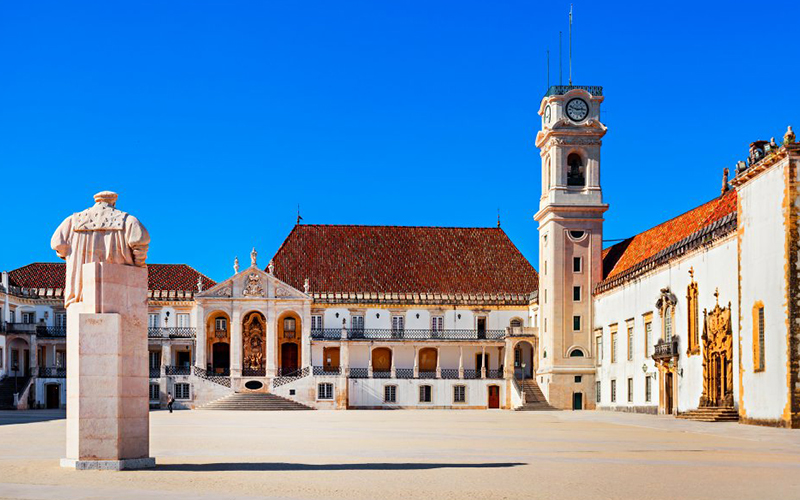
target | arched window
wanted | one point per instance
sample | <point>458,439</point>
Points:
<point>516,323</point>
<point>576,172</point>
<point>576,353</point>
<point>548,174</point>
<point>289,324</point>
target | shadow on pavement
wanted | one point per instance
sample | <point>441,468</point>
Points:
<point>288,467</point>
<point>8,417</point>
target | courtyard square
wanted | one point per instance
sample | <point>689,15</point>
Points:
<point>414,454</point>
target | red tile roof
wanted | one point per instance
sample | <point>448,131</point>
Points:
<point>627,255</point>
<point>402,259</point>
<point>160,276</point>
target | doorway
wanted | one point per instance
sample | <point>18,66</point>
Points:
<point>289,363</point>
<point>482,328</point>
<point>481,360</point>
<point>668,394</point>
<point>577,401</point>
<point>494,396</point>
<point>53,396</point>
<point>221,357</point>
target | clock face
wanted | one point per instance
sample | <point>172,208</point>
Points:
<point>577,109</point>
<point>547,114</point>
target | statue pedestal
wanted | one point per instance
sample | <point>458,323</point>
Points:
<point>108,424</point>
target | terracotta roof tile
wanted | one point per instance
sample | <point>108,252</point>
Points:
<point>403,259</point>
<point>627,254</point>
<point>160,276</point>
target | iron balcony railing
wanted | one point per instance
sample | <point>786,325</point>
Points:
<point>665,349</point>
<point>359,372</point>
<point>324,370</point>
<point>222,378</point>
<point>35,328</point>
<point>405,334</point>
<point>52,372</point>
<point>494,373</point>
<point>595,90</point>
<point>254,372</point>
<point>155,372</point>
<point>178,370</point>
<point>404,373</point>
<point>449,373</point>
<point>172,332</point>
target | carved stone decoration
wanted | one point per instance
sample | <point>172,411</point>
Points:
<point>717,357</point>
<point>253,286</point>
<point>667,298</point>
<point>253,341</point>
<point>254,258</point>
<point>236,265</point>
<point>282,292</point>
<point>225,291</point>
<point>306,286</point>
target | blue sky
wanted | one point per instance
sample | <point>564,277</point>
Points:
<point>213,120</point>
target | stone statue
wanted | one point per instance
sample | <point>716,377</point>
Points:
<point>272,267</point>
<point>306,286</point>
<point>253,257</point>
<point>789,137</point>
<point>98,234</point>
<point>236,265</point>
<point>724,181</point>
<point>199,284</point>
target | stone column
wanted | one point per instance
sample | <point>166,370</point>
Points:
<point>393,369</point>
<point>305,337</point>
<point>438,363</point>
<point>416,362</point>
<point>369,361</point>
<point>272,341</point>
<point>508,363</point>
<point>236,343</point>
<point>344,358</point>
<point>34,356</point>
<point>460,361</point>
<point>483,361</point>
<point>200,339</point>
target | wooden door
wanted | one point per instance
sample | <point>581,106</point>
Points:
<point>668,394</point>
<point>577,401</point>
<point>289,363</point>
<point>494,396</point>
<point>53,396</point>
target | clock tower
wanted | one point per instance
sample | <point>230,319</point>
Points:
<point>570,220</point>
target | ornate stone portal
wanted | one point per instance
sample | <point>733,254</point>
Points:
<point>717,357</point>
<point>253,337</point>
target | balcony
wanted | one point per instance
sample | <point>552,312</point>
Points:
<point>37,329</point>
<point>595,90</point>
<point>405,334</point>
<point>178,370</point>
<point>173,332</point>
<point>52,372</point>
<point>666,350</point>
<point>155,372</point>
<point>408,373</point>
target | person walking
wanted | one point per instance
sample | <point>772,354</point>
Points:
<point>170,400</point>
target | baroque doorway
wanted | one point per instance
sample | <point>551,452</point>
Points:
<point>717,357</point>
<point>254,329</point>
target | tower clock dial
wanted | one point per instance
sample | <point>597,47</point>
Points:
<point>577,109</point>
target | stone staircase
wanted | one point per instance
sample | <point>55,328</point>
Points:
<point>712,414</point>
<point>534,398</point>
<point>7,391</point>
<point>254,401</point>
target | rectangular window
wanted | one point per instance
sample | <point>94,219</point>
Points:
<point>61,320</point>
<point>155,360</point>
<point>437,323</point>
<point>668,324</point>
<point>578,379</point>
<point>357,323</point>
<point>630,390</point>
<point>154,392</point>
<point>459,394</point>
<point>630,341</point>
<point>152,320</point>
<point>390,394</point>
<point>29,318</point>
<point>316,322</point>
<point>325,390</point>
<point>425,394</point>
<point>598,348</point>
<point>577,265</point>
<point>648,338</point>
<point>398,324</point>
<point>597,387</point>
<point>181,391</point>
<point>576,323</point>
<point>183,320</point>
<point>221,324</point>
<point>648,388</point>
<point>61,359</point>
<point>759,342</point>
<point>1,357</point>
<point>613,391</point>
<point>576,293</point>
<point>614,346</point>
<point>42,356</point>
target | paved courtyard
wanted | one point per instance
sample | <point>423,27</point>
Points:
<point>414,454</point>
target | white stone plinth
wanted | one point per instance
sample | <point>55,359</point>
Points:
<point>107,373</point>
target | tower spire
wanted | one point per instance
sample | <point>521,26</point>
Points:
<point>570,44</point>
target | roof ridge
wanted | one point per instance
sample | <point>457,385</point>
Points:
<point>395,226</point>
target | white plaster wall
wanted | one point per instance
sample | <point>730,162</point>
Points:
<point>369,393</point>
<point>382,318</point>
<point>713,267</point>
<point>763,261</point>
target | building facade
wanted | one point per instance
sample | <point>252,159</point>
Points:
<point>696,317</point>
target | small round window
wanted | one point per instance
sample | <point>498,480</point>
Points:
<point>253,385</point>
<point>577,353</point>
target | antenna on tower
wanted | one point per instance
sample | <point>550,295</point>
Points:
<point>560,73</point>
<point>299,218</point>
<point>498,216</point>
<point>570,44</point>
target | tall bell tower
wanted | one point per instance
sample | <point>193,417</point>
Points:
<point>570,220</point>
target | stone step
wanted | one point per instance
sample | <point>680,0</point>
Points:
<point>711,414</point>
<point>255,401</point>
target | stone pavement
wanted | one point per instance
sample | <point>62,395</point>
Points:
<point>414,454</point>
